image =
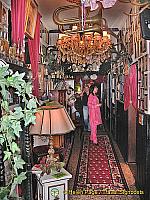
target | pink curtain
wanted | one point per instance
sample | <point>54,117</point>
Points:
<point>130,88</point>
<point>133,85</point>
<point>18,21</point>
<point>126,92</point>
<point>34,56</point>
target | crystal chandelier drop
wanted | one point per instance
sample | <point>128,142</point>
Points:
<point>84,48</point>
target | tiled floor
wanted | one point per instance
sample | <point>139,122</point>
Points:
<point>72,167</point>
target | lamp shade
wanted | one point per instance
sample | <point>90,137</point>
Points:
<point>52,120</point>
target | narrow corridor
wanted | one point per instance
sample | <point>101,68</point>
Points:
<point>79,156</point>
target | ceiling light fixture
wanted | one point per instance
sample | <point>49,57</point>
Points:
<point>84,48</point>
<point>83,44</point>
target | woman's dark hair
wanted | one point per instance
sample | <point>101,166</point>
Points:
<point>92,88</point>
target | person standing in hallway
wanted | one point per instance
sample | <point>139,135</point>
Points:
<point>94,112</point>
<point>85,95</point>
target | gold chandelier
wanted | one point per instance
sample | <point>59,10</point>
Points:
<point>84,48</point>
<point>85,39</point>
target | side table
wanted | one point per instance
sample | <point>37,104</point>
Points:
<point>53,186</point>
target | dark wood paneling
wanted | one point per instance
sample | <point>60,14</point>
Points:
<point>125,131</point>
<point>113,122</point>
<point>131,134</point>
<point>122,129</point>
<point>143,156</point>
<point>107,118</point>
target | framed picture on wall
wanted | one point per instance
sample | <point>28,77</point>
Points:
<point>31,16</point>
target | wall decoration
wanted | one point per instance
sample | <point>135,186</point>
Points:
<point>31,16</point>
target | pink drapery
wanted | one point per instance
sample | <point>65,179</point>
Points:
<point>34,56</point>
<point>18,21</point>
<point>133,85</point>
<point>130,88</point>
<point>126,92</point>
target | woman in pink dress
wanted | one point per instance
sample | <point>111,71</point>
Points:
<point>94,112</point>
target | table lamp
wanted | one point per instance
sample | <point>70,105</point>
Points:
<point>52,120</point>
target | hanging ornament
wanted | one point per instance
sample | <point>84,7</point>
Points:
<point>93,3</point>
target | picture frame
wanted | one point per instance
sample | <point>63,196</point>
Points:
<point>31,17</point>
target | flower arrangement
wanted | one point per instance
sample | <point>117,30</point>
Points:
<point>47,166</point>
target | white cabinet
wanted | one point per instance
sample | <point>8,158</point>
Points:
<point>52,188</point>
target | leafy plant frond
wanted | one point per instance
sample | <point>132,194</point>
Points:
<point>10,124</point>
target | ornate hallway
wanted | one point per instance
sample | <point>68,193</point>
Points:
<point>78,160</point>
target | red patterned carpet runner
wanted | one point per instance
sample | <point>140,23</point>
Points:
<point>98,167</point>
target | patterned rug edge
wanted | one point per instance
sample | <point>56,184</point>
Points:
<point>119,166</point>
<point>78,165</point>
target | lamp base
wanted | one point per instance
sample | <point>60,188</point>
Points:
<point>50,157</point>
<point>58,141</point>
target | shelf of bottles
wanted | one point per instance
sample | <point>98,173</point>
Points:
<point>10,54</point>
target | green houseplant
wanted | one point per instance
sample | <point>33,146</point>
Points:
<point>11,125</point>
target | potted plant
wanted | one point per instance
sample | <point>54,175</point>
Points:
<point>11,125</point>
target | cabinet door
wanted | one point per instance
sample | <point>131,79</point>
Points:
<point>55,190</point>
